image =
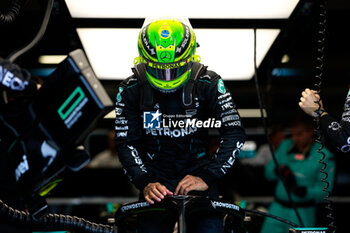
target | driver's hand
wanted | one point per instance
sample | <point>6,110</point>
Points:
<point>190,183</point>
<point>155,191</point>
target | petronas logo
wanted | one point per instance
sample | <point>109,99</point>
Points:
<point>221,87</point>
<point>119,96</point>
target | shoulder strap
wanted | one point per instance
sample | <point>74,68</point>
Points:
<point>146,91</point>
<point>188,93</point>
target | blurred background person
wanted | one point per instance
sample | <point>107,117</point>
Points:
<point>248,176</point>
<point>263,155</point>
<point>299,167</point>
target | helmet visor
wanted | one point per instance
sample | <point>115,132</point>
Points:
<point>167,74</point>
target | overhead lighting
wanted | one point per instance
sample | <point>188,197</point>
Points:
<point>231,9</point>
<point>42,72</point>
<point>244,113</point>
<point>229,52</point>
<point>111,52</point>
<point>291,72</point>
<point>285,58</point>
<point>110,115</point>
<point>51,59</point>
<point>251,113</point>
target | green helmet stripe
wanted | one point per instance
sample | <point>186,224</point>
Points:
<point>166,41</point>
<point>167,44</point>
<point>145,54</point>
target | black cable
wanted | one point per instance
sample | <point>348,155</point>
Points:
<point>266,133</point>
<point>13,56</point>
<point>318,134</point>
<point>52,221</point>
<point>10,15</point>
<point>192,204</point>
<point>272,216</point>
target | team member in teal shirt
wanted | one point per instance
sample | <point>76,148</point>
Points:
<point>298,164</point>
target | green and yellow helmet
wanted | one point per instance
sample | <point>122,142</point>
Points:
<point>167,47</point>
